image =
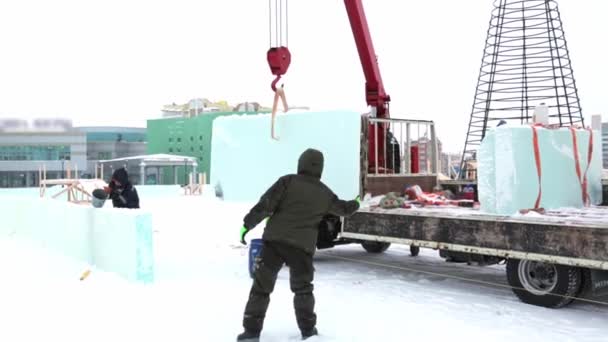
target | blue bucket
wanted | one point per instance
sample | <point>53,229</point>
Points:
<point>255,248</point>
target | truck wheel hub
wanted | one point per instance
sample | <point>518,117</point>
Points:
<point>537,277</point>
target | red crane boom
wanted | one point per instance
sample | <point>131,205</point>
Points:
<point>375,95</point>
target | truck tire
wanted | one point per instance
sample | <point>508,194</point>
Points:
<point>543,284</point>
<point>375,246</point>
<point>414,250</point>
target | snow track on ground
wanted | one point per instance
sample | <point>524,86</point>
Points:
<point>203,283</point>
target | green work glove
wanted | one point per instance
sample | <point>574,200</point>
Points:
<point>358,199</point>
<point>244,232</point>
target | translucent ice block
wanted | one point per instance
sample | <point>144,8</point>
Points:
<point>245,160</point>
<point>114,240</point>
<point>507,172</point>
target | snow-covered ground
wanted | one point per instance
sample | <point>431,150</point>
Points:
<point>202,286</point>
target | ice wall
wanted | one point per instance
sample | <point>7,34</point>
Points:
<point>245,160</point>
<point>507,173</point>
<point>114,240</point>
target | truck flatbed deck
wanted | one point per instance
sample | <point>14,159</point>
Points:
<point>574,237</point>
<point>551,258</point>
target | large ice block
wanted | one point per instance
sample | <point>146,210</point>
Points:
<point>245,160</point>
<point>114,240</point>
<point>122,243</point>
<point>507,171</point>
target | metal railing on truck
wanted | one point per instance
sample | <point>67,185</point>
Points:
<point>411,147</point>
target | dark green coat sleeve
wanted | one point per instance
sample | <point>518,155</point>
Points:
<point>268,203</point>
<point>340,207</point>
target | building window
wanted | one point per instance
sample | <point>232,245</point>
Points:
<point>170,140</point>
<point>170,149</point>
<point>191,138</point>
<point>200,137</point>
<point>191,149</point>
<point>201,147</point>
<point>179,149</point>
<point>179,139</point>
<point>35,152</point>
<point>104,155</point>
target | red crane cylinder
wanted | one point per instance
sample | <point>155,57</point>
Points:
<point>414,159</point>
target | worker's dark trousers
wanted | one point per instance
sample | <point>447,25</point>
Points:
<point>268,265</point>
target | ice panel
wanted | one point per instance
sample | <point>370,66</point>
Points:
<point>114,240</point>
<point>507,174</point>
<point>245,160</point>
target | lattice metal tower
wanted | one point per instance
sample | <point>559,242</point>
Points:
<point>525,63</point>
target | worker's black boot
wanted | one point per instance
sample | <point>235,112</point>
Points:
<point>309,333</point>
<point>249,336</point>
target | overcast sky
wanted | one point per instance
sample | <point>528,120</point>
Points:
<point>117,62</point>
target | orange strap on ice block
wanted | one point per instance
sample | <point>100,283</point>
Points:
<point>538,167</point>
<point>577,161</point>
<point>582,178</point>
<point>586,198</point>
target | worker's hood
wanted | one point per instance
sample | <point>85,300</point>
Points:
<point>311,163</point>
<point>121,176</point>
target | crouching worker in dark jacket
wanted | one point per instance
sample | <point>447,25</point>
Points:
<point>295,205</point>
<point>121,191</point>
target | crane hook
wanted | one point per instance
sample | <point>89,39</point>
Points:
<point>273,85</point>
<point>279,59</point>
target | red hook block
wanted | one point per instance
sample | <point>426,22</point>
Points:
<point>279,59</point>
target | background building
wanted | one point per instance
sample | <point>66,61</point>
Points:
<point>450,164</point>
<point>25,146</point>
<point>185,137</point>
<point>252,107</point>
<point>425,153</point>
<point>55,143</point>
<point>202,106</point>
<point>105,143</point>
<point>194,107</point>
<point>36,125</point>
<point>605,145</point>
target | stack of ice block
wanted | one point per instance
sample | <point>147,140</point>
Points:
<point>507,169</point>
<point>245,160</point>
<point>114,240</point>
